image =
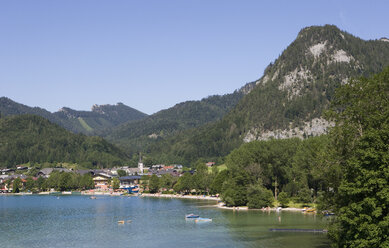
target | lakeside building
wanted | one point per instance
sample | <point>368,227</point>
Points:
<point>101,181</point>
<point>129,182</point>
<point>210,164</point>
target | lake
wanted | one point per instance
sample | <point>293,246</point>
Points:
<point>78,221</point>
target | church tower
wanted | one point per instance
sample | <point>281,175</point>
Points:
<point>140,164</point>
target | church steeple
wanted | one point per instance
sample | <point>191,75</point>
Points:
<point>140,164</point>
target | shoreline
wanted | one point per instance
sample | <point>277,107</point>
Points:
<point>220,205</point>
<point>195,197</point>
<point>59,193</point>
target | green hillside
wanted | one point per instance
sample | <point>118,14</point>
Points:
<point>288,101</point>
<point>30,138</point>
<point>139,135</point>
<point>93,122</point>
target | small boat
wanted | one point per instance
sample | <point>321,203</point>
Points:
<point>93,197</point>
<point>191,216</point>
<point>310,210</point>
<point>203,220</point>
<point>328,213</point>
<point>121,222</point>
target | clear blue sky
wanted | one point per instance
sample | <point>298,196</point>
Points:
<point>151,55</point>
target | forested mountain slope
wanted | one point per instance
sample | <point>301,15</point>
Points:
<point>139,135</point>
<point>289,100</point>
<point>31,138</point>
<point>91,122</point>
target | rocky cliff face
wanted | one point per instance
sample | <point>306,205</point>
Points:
<point>313,66</point>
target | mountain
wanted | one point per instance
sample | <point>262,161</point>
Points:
<point>9,107</point>
<point>289,100</point>
<point>138,135</point>
<point>87,122</point>
<point>100,118</point>
<point>31,138</point>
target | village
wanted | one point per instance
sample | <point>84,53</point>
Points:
<point>129,178</point>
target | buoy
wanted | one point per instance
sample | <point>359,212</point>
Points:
<point>121,222</point>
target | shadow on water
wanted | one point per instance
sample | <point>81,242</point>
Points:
<point>252,228</point>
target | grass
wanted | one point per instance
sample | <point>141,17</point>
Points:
<point>220,168</point>
<point>85,125</point>
<point>301,205</point>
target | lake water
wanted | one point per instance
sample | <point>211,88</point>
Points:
<point>78,221</point>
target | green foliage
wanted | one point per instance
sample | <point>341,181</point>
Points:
<point>167,181</point>
<point>201,179</point>
<point>86,182</point>
<point>150,133</point>
<point>65,182</point>
<point>87,122</point>
<point>30,184</point>
<point>259,197</point>
<point>234,191</point>
<point>154,184</point>
<point>121,173</point>
<point>217,183</point>
<point>40,184</point>
<point>184,183</point>
<point>28,138</point>
<point>283,199</point>
<point>361,141</point>
<point>304,195</point>
<point>17,185</point>
<point>115,183</point>
<point>292,165</point>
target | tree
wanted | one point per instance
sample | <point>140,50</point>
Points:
<point>361,141</point>
<point>121,173</point>
<point>201,178</point>
<point>65,181</point>
<point>166,181</point>
<point>115,183</point>
<point>259,197</point>
<point>30,184</point>
<point>283,199</point>
<point>17,185</point>
<point>184,183</point>
<point>217,183</point>
<point>40,183</point>
<point>234,190</point>
<point>86,182</point>
<point>154,184</point>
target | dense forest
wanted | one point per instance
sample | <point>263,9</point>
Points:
<point>289,170</point>
<point>31,138</point>
<point>140,135</point>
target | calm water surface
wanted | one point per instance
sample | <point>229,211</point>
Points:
<point>77,221</point>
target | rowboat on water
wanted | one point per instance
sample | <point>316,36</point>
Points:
<point>191,216</point>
